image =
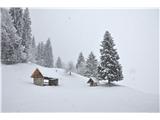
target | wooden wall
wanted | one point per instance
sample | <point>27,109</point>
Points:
<point>38,81</point>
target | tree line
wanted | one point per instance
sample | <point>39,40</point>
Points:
<point>108,68</point>
<point>17,42</point>
<point>18,46</point>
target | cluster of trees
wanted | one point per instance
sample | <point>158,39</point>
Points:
<point>17,43</point>
<point>18,46</point>
<point>68,67</point>
<point>108,67</point>
<point>44,55</point>
<point>15,35</point>
<point>87,68</point>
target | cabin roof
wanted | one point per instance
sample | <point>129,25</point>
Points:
<point>46,72</point>
<point>93,79</point>
<point>37,74</point>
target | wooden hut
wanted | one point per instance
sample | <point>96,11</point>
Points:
<point>39,78</point>
<point>92,81</point>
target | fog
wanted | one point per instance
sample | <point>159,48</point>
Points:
<point>135,33</point>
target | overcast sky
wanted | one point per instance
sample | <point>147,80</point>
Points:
<point>135,34</point>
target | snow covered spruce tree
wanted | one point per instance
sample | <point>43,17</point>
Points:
<point>44,55</point>
<point>40,54</point>
<point>109,68</point>
<point>17,20</point>
<point>33,51</point>
<point>80,66</point>
<point>9,39</point>
<point>91,66</point>
<point>26,36</point>
<point>48,55</point>
<point>59,63</point>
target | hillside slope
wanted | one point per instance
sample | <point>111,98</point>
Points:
<point>19,94</point>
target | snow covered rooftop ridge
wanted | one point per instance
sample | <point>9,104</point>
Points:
<point>94,79</point>
<point>37,74</point>
<point>49,72</point>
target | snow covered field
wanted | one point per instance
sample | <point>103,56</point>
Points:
<point>19,94</point>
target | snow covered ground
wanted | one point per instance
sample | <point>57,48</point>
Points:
<point>19,94</point>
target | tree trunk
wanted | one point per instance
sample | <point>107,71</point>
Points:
<point>109,82</point>
<point>69,73</point>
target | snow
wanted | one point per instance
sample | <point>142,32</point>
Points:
<point>94,79</point>
<point>72,95</point>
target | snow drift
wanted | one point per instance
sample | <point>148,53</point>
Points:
<point>19,94</point>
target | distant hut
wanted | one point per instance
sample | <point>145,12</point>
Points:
<point>38,79</point>
<point>92,81</point>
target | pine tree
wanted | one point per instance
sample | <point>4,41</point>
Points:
<point>44,55</point>
<point>9,39</point>
<point>59,63</point>
<point>109,68</point>
<point>48,55</point>
<point>26,35</point>
<point>41,53</point>
<point>38,54</point>
<point>80,66</point>
<point>91,66</point>
<point>33,51</point>
<point>17,19</point>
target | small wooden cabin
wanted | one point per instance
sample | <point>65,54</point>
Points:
<point>92,81</point>
<point>39,79</point>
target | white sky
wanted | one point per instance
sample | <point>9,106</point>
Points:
<point>135,34</point>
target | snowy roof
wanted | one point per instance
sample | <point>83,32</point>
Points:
<point>48,72</point>
<point>37,74</point>
<point>94,79</point>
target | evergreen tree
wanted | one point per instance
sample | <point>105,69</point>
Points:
<point>91,66</point>
<point>39,57</point>
<point>33,51</point>
<point>48,55</point>
<point>9,39</point>
<point>80,66</point>
<point>17,19</point>
<point>109,68</point>
<point>41,54</point>
<point>38,54</point>
<point>26,35</point>
<point>59,63</point>
<point>44,55</point>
